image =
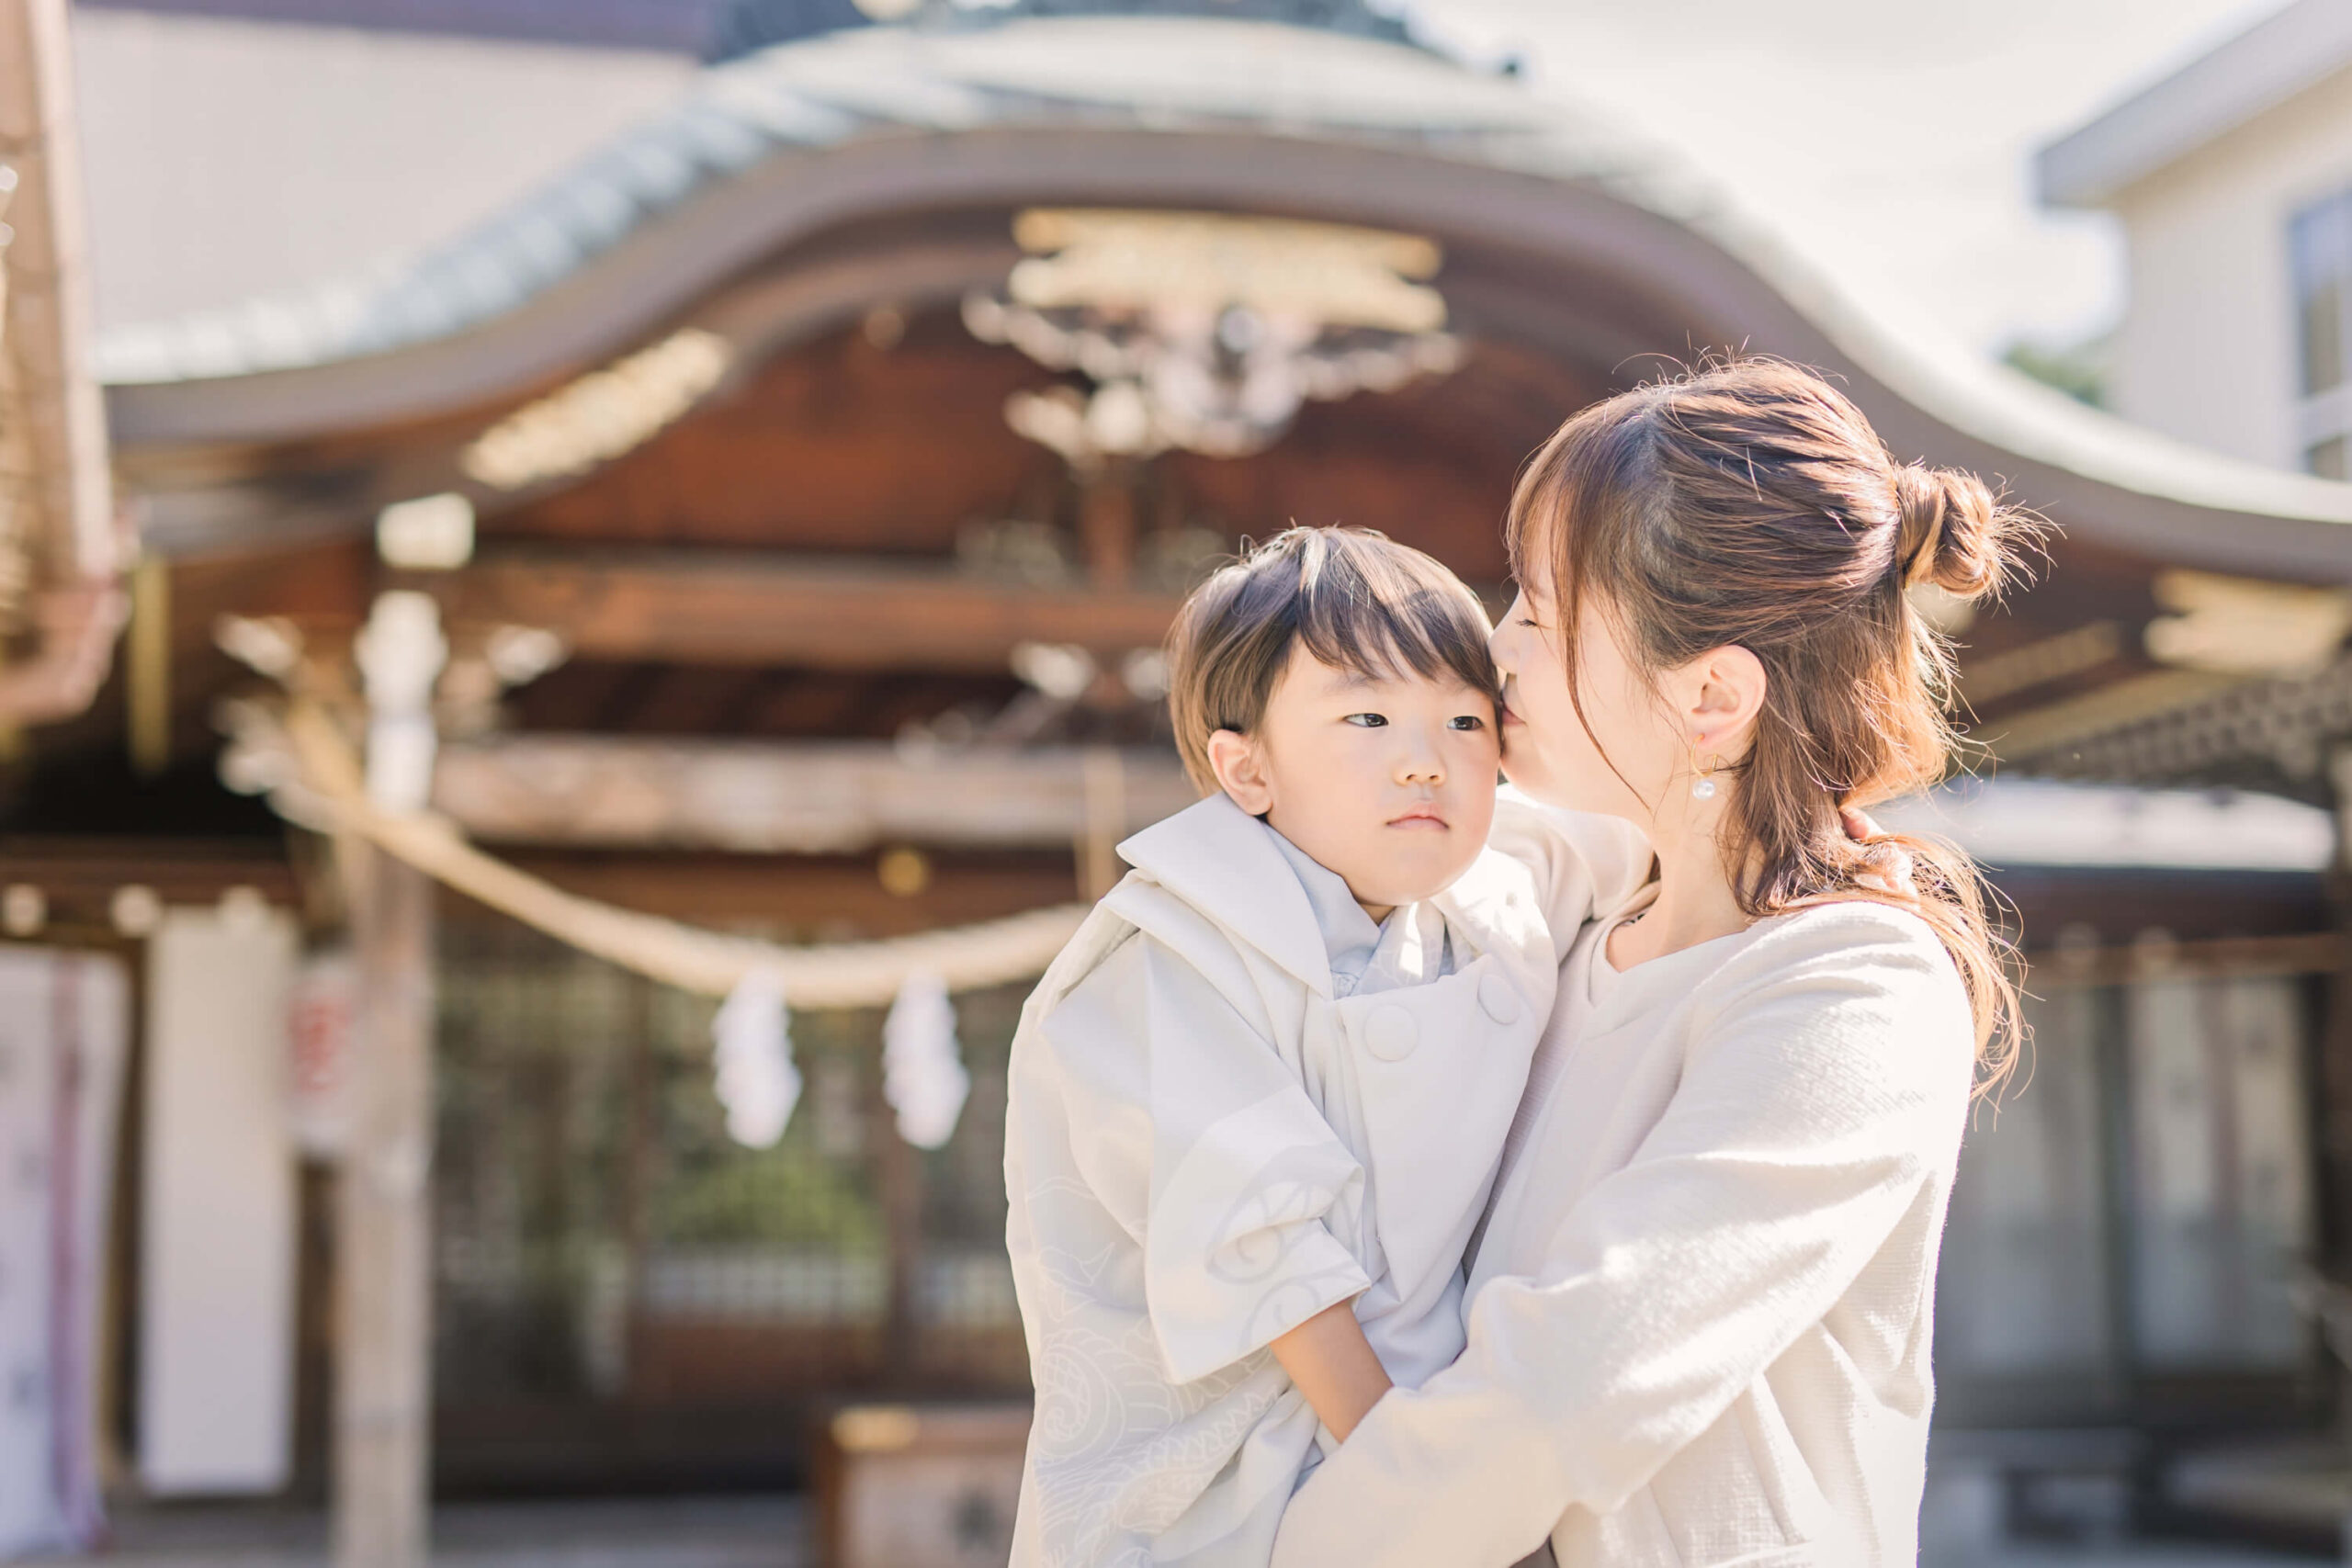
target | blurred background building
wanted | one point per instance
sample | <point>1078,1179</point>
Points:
<point>2228,176</point>
<point>735,460</point>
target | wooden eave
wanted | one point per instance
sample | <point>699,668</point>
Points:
<point>1561,249</point>
<point>1594,248</point>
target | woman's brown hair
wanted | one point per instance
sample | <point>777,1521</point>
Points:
<point>1749,503</point>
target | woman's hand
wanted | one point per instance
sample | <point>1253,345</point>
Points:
<point>1890,868</point>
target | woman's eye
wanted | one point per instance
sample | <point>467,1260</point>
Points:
<point>1529,623</point>
<point>1466,721</point>
<point>1368,720</point>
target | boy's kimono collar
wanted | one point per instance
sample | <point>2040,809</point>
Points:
<point>1222,861</point>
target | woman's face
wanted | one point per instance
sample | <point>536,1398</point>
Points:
<point>1563,757</point>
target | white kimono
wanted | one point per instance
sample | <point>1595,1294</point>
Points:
<point>1225,1115</point>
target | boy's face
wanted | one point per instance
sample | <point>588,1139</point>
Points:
<point>1388,781</point>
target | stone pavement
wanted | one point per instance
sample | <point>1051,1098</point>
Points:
<point>761,1532</point>
<point>2126,1555</point>
<point>684,1532</point>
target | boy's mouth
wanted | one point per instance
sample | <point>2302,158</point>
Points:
<point>1419,816</point>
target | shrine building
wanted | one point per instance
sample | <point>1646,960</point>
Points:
<point>769,527</point>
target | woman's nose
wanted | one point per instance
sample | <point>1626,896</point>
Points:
<point>1499,645</point>
<point>1502,643</point>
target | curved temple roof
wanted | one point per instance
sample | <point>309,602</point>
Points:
<point>1148,109</point>
<point>742,27</point>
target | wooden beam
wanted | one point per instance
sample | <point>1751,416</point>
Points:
<point>2215,958</point>
<point>812,798</point>
<point>852,614</point>
<point>78,877</point>
<point>2028,736</point>
<point>797,897</point>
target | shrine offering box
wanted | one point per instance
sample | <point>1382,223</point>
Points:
<point>919,1486</point>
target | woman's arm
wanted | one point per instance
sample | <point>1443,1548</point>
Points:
<point>1811,1114</point>
<point>1334,1366</point>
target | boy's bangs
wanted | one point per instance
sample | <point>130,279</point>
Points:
<point>1408,629</point>
<point>1354,600</point>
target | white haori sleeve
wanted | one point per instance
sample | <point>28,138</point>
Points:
<point>1815,1104</point>
<point>1170,1185</point>
<point>1243,1181</point>
<point>1585,863</point>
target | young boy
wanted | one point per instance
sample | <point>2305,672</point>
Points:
<point>1257,1105</point>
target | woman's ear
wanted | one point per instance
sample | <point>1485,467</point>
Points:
<point>1727,688</point>
<point>1240,770</point>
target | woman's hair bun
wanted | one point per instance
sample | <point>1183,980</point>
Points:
<point>1953,532</point>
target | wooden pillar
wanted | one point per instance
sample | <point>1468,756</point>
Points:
<point>2333,1091</point>
<point>1104,824</point>
<point>1106,525</point>
<point>898,1168</point>
<point>147,668</point>
<point>2333,1088</point>
<point>384,1241</point>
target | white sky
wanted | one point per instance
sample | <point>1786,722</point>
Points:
<point>1890,140</point>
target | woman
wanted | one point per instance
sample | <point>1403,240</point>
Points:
<point>1701,1311</point>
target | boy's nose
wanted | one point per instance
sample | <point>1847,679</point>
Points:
<point>1421,766</point>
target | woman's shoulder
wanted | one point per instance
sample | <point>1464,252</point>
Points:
<point>1867,928</point>
<point>1861,997</point>
<point>1847,952</point>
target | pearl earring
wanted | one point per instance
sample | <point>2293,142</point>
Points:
<point>1702,782</point>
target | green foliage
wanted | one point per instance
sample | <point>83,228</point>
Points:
<point>787,1196</point>
<point>2079,370</point>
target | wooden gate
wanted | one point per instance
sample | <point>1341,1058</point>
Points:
<point>623,1296</point>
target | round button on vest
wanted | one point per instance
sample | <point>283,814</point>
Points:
<point>1494,994</point>
<point>1391,1034</point>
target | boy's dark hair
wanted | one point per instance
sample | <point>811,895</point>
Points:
<point>1357,599</point>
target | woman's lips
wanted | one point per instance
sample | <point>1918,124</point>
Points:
<point>1510,717</point>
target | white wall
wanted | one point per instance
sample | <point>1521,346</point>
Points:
<point>216,1233</point>
<point>2207,350</point>
<point>228,158</point>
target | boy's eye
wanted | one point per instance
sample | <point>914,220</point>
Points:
<point>1368,720</point>
<point>1466,721</point>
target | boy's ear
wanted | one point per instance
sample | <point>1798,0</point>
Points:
<point>1240,770</point>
